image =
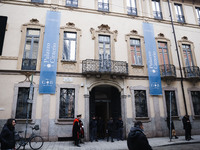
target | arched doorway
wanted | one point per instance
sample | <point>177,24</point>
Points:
<point>105,102</point>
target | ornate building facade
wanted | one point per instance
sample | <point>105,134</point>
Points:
<point>101,63</point>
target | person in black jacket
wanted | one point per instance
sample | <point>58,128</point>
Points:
<point>187,126</point>
<point>110,129</point>
<point>173,131</point>
<point>137,139</point>
<point>8,135</point>
<point>76,131</point>
<point>120,129</point>
<point>93,129</point>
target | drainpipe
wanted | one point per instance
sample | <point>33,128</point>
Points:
<point>178,59</point>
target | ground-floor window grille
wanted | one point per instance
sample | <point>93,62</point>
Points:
<point>171,95</point>
<point>21,109</point>
<point>141,103</point>
<point>196,101</point>
<point>67,100</point>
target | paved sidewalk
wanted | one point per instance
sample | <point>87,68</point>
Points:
<point>117,145</point>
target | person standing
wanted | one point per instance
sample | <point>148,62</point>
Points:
<point>100,130</point>
<point>173,131</point>
<point>110,128</point>
<point>93,129</point>
<point>81,131</point>
<point>120,129</point>
<point>137,139</point>
<point>187,127</point>
<point>76,131</point>
<point>8,135</point>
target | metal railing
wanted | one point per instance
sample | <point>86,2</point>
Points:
<point>95,66</point>
<point>103,6</point>
<point>191,72</point>
<point>132,11</point>
<point>167,70</point>
<point>29,64</point>
<point>157,15</point>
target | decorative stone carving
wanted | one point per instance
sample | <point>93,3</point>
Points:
<point>104,28</point>
<point>185,38</point>
<point>35,21</point>
<point>161,35</point>
<point>134,32</point>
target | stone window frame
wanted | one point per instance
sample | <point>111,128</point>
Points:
<point>69,27</point>
<point>191,102</point>
<point>161,38</point>
<point>70,86</point>
<point>197,18</point>
<point>33,24</point>
<point>134,34</point>
<point>136,5</point>
<point>132,89</point>
<point>35,94</point>
<point>161,6</point>
<point>109,5</point>
<point>183,12</point>
<point>104,30</point>
<point>169,88</point>
<point>184,40</point>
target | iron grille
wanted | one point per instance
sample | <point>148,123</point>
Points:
<point>93,66</point>
<point>29,64</point>
<point>167,70</point>
<point>191,72</point>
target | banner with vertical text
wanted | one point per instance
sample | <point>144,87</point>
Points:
<point>48,70</point>
<point>152,60</point>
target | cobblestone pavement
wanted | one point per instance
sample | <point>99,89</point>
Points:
<point>117,145</point>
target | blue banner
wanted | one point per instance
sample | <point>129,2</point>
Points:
<point>50,53</point>
<point>152,60</point>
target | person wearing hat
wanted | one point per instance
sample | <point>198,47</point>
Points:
<point>76,130</point>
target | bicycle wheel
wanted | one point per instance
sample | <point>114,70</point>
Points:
<point>36,142</point>
<point>18,144</point>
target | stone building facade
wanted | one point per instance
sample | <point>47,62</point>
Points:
<point>102,66</point>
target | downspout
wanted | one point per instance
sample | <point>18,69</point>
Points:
<point>178,59</point>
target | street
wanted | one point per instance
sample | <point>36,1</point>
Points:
<point>194,146</point>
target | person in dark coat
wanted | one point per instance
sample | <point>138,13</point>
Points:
<point>76,131</point>
<point>93,129</point>
<point>120,128</point>
<point>100,130</point>
<point>8,135</point>
<point>81,131</point>
<point>173,132</point>
<point>110,128</point>
<point>187,127</point>
<point>137,139</point>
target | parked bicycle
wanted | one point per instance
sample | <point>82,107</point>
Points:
<point>35,141</point>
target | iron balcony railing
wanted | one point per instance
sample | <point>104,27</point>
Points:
<point>191,72</point>
<point>29,64</point>
<point>167,70</point>
<point>95,66</point>
<point>103,6</point>
<point>132,11</point>
<point>157,15</point>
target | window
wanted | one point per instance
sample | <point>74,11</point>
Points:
<point>141,103</point>
<point>198,14</point>
<point>163,53</point>
<point>69,46</point>
<point>170,95</point>
<point>104,53</point>
<point>37,1</point>
<point>103,5</point>
<point>29,60</point>
<point>72,3</point>
<point>156,9</point>
<point>187,53</point>
<point>21,109</point>
<point>131,7</point>
<point>196,101</point>
<point>179,13</point>
<point>135,48</point>
<point>67,100</point>
<point>3,22</point>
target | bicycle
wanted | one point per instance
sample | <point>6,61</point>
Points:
<point>35,141</point>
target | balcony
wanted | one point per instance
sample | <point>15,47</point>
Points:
<point>29,64</point>
<point>99,67</point>
<point>157,15</point>
<point>132,11</point>
<point>168,71</point>
<point>103,7</point>
<point>192,72</point>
